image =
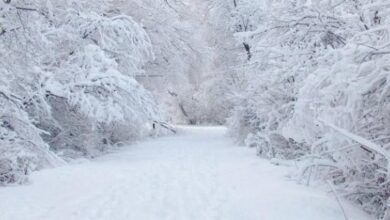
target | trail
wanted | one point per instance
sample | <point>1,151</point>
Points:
<point>198,174</point>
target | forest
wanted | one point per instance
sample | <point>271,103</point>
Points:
<point>305,83</point>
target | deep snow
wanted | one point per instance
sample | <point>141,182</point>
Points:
<point>198,174</point>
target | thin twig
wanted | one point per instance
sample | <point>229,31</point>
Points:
<point>26,9</point>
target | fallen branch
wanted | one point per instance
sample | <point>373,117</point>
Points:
<point>166,126</point>
<point>367,143</point>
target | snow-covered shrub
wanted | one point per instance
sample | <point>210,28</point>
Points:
<point>22,149</point>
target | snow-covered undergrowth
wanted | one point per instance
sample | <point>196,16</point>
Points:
<point>67,83</point>
<point>314,72</point>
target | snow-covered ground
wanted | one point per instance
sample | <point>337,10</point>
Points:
<point>199,174</point>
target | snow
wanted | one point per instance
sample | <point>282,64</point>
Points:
<point>198,174</point>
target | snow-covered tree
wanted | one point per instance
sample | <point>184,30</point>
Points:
<point>308,61</point>
<point>68,83</point>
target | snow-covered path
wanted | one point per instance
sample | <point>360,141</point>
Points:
<point>199,174</point>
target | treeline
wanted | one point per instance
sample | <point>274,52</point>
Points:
<point>314,88</point>
<point>67,83</point>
